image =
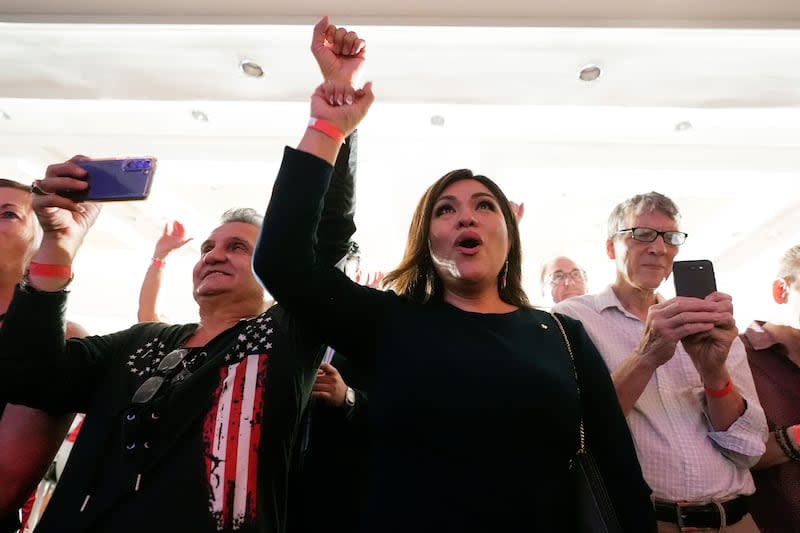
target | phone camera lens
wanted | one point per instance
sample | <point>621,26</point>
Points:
<point>137,164</point>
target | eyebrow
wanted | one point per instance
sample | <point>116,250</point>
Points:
<point>4,206</point>
<point>476,195</point>
<point>240,240</point>
<point>228,240</point>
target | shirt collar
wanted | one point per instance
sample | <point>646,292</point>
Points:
<point>608,299</point>
<point>759,338</point>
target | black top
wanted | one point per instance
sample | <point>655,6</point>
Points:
<point>473,416</point>
<point>328,483</point>
<point>9,524</point>
<point>215,455</point>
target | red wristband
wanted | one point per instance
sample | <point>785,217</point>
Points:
<point>158,262</point>
<point>795,430</point>
<point>327,128</point>
<point>719,393</point>
<point>50,271</point>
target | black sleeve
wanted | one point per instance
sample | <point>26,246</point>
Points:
<point>355,378</point>
<point>337,222</point>
<point>344,315</point>
<point>38,368</point>
<point>357,414</point>
<point>608,436</point>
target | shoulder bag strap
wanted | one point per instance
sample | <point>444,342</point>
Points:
<point>582,434</point>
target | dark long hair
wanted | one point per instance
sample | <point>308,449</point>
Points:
<point>416,276</point>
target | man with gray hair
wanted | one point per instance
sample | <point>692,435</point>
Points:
<point>188,427</point>
<point>773,350</point>
<point>680,372</point>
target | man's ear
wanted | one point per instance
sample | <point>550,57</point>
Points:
<point>780,293</point>
<point>610,252</point>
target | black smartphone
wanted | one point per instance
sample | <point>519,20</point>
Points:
<point>694,278</point>
<point>116,179</point>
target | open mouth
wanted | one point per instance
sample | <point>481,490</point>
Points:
<point>469,243</point>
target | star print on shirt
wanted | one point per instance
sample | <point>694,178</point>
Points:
<point>141,361</point>
<point>253,339</point>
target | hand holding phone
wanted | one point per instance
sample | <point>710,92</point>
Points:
<point>115,179</point>
<point>694,278</point>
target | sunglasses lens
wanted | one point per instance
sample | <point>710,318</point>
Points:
<point>172,359</point>
<point>147,390</point>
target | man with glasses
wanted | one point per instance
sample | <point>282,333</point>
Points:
<point>563,277</point>
<point>680,372</point>
<point>773,349</point>
<point>188,428</point>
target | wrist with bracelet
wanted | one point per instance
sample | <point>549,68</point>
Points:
<point>45,270</point>
<point>327,128</point>
<point>720,393</point>
<point>158,262</point>
<point>785,441</point>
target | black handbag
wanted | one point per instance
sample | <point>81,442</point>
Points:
<point>594,510</point>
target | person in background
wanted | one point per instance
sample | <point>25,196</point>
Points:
<point>680,372</point>
<point>773,351</point>
<point>188,427</point>
<point>29,438</point>
<point>473,401</point>
<point>172,237</point>
<point>563,277</point>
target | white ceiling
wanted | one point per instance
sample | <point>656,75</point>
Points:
<point>111,79</point>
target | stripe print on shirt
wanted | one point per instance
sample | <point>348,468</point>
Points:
<point>232,436</point>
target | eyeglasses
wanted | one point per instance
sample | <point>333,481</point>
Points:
<point>559,276</point>
<point>675,238</point>
<point>166,370</point>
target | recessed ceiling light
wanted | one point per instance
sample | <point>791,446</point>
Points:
<point>590,73</point>
<point>683,125</point>
<point>437,120</point>
<point>4,115</point>
<point>199,115</point>
<point>251,68</point>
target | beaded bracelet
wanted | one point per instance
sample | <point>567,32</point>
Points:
<point>782,438</point>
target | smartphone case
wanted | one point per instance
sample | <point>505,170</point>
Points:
<point>116,179</point>
<point>694,278</point>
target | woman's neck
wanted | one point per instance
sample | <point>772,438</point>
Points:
<point>483,302</point>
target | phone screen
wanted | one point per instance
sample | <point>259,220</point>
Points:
<point>694,278</point>
<point>116,179</point>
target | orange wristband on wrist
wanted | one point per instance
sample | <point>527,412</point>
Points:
<point>50,271</point>
<point>327,128</point>
<point>720,393</point>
